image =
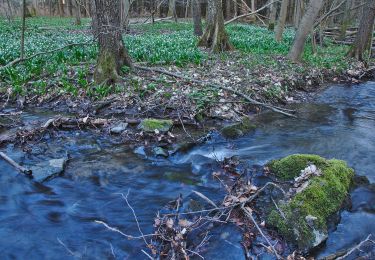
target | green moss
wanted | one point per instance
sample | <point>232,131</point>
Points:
<point>238,129</point>
<point>291,166</point>
<point>150,125</point>
<point>322,198</point>
<point>106,68</point>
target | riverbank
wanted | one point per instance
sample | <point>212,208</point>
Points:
<point>173,79</point>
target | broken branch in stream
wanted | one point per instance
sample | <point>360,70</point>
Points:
<point>280,110</point>
<point>15,165</point>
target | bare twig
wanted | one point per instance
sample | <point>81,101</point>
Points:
<point>250,216</point>
<point>135,216</point>
<point>205,198</point>
<point>357,247</point>
<point>122,233</point>
<point>251,13</point>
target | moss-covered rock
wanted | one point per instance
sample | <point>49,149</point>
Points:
<point>302,218</point>
<point>238,129</point>
<point>150,125</point>
<point>291,166</point>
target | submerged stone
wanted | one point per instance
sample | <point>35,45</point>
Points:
<point>49,169</point>
<point>238,129</point>
<point>152,125</point>
<point>158,151</point>
<point>319,190</point>
<point>119,128</point>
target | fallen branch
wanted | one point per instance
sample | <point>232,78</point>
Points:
<point>15,165</point>
<point>249,99</point>
<point>19,60</point>
<point>249,14</point>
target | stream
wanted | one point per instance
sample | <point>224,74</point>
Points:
<point>55,219</point>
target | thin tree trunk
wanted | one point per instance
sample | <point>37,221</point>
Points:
<point>306,26</point>
<point>77,11</point>
<point>272,20</point>
<point>282,18</point>
<point>125,13</point>
<point>70,7</point>
<point>22,50</point>
<point>345,20</point>
<point>61,8</point>
<point>215,37</point>
<point>228,5</point>
<point>112,52</point>
<point>197,19</point>
<point>172,9</point>
<point>365,31</point>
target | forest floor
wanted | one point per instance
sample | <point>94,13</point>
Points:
<point>62,80</point>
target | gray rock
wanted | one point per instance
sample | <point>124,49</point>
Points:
<point>49,169</point>
<point>158,151</point>
<point>119,128</point>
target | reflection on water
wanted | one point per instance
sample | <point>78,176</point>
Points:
<point>36,218</point>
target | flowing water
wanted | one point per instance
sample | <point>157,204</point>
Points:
<point>55,220</point>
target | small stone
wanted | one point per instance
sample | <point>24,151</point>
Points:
<point>119,128</point>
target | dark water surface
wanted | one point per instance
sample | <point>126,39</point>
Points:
<point>55,220</point>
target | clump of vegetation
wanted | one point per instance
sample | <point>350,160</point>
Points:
<point>238,129</point>
<point>303,218</point>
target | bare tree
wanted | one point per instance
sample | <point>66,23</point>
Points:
<point>215,37</point>
<point>197,19</point>
<point>282,18</point>
<point>305,27</point>
<point>365,31</point>
<point>112,52</point>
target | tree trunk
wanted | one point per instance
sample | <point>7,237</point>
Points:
<point>306,26</point>
<point>112,52</point>
<point>22,47</point>
<point>125,7</point>
<point>77,11</point>
<point>273,12</point>
<point>61,8</point>
<point>172,9</point>
<point>228,9</point>
<point>215,37</point>
<point>345,20</point>
<point>197,19</point>
<point>365,31</point>
<point>282,18</point>
<point>70,7</point>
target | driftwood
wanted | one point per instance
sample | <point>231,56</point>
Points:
<point>15,165</point>
<point>286,112</point>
